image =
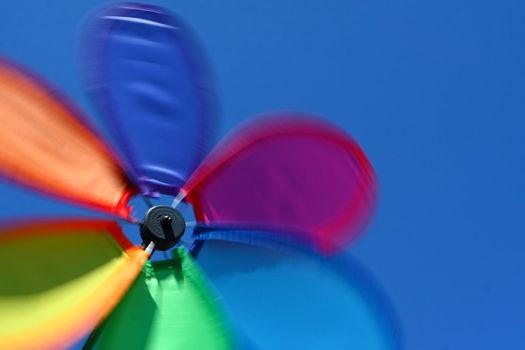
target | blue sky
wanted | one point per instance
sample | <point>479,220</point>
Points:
<point>433,92</point>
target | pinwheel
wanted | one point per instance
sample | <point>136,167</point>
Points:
<point>283,179</point>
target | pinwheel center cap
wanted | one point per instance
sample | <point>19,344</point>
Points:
<point>163,226</point>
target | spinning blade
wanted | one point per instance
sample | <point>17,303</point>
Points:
<point>170,306</point>
<point>292,300</point>
<point>285,173</point>
<point>46,146</point>
<point>148,78</point>
<point>58,279</point>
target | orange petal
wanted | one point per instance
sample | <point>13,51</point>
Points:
<point>44,145</point>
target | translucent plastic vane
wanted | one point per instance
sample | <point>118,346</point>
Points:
<point>170,306</point>
<point>45,146</point>
<point>287,173</point>
<point>289,300</point>
<point>148,78</point>
<point>59,279</point>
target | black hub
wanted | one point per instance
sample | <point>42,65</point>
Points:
<point>163,226</point>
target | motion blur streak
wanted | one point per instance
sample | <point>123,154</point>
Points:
<point>44,146</point>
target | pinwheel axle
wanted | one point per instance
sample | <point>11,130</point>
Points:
<point>162,225</point>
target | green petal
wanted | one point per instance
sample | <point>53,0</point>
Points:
<point>170,306</point>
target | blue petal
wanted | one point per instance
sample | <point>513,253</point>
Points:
<point>149,80</point>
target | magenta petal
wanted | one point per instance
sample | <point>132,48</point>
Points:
<point>289,172</point>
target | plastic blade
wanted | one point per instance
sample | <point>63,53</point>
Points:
<point>287,173</point>
<point>170,306</point>
<point>46,146</point>
<point>291,300</point>
<point>148,78</point>
<point>58,279</point>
